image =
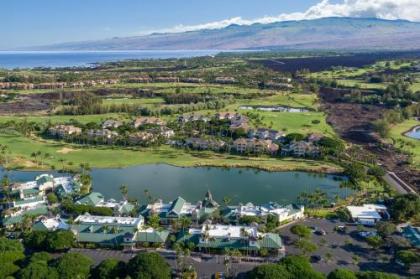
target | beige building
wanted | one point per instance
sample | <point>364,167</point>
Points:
<point>141,121</point>
<point>141,138</point>
<point>243,145</point>
<point>62,131</point>
<point>225,80</point>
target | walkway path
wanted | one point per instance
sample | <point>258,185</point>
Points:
<point>402,187</point>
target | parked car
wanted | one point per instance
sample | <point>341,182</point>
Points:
<point>219,275</point>
<point>340,229</point>
<point>320,232</point>
<point>367,234</point>
<point>313,228</point>
<point>315,258</point>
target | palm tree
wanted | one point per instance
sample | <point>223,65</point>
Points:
<point>148,196</point>
<point>5,183</point>
<point>27,223</point>
<point>124,191</point>
<point>46,156</point>
<point>184,222</point>
<point>4,149</point>
<point>33,155</point>
<point>227,200</point>
<point>61,160</point>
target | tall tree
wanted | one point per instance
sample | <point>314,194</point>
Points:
<point>148,265</point>
<point>73,265</point>
<point>124,191</point>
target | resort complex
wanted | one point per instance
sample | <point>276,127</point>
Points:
<point>282,163</point>
<point>206,224</point>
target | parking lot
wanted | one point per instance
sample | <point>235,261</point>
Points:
<point>335,250</point>
<point>340,250</point>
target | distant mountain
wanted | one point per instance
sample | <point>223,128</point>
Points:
<point>326,33</point>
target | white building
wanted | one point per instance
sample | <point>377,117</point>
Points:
<point>245,238</point>
<point>29,203</point>
<point>120,208</point>
<point>46,182</point>
<point>111,124</point>
<point>228,231</point>
<point>170,211</point>
<point>51,224</point>
<point>284,213</point>
<point>110,220</point>
<point>66,185</point>
<point>368,214</point>
<point>42,182</point>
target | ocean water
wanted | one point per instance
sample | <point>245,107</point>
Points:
<point>55,59</point>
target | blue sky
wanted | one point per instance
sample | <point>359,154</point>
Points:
<point>39,22</point>
<point>44,22</point>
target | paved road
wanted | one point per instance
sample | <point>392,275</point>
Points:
<point>402,187</point>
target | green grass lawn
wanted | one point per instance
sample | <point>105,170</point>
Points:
<point>107,157</point>
<point>283,99</point>
<point>350,73</point>
<point>361,84</point>
<point>405,143</point>
<point>191,88</point>
<point>297,122</point>
<point>415,86</point>
<point>132,101</point>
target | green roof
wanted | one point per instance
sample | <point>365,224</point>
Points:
<point>30,192</point>
<point>23,202</point>
<point>26,193</point>
<point>225,243</point>
<point>114,234</point>
<point>41,210</point>
<point>153,237</point>
<point>186,237</point>
<point>39,226</point>
<point>176,206</point>
<point>126,208</point>
<point>59,190</point>
<point>91,199</point>
<point>101,238</point>
<point>271,241</point>
<point>102,234</point>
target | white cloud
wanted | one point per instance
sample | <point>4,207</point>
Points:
<point>384,9</point>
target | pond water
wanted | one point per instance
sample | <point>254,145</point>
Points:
<point>414,133</point>
<point>241,185</point>
<point>274,108</point>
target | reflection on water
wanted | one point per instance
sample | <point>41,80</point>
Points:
<point>241,185</point>
<point>274,108</point>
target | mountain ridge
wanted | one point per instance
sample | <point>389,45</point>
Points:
<point>333,33</point>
